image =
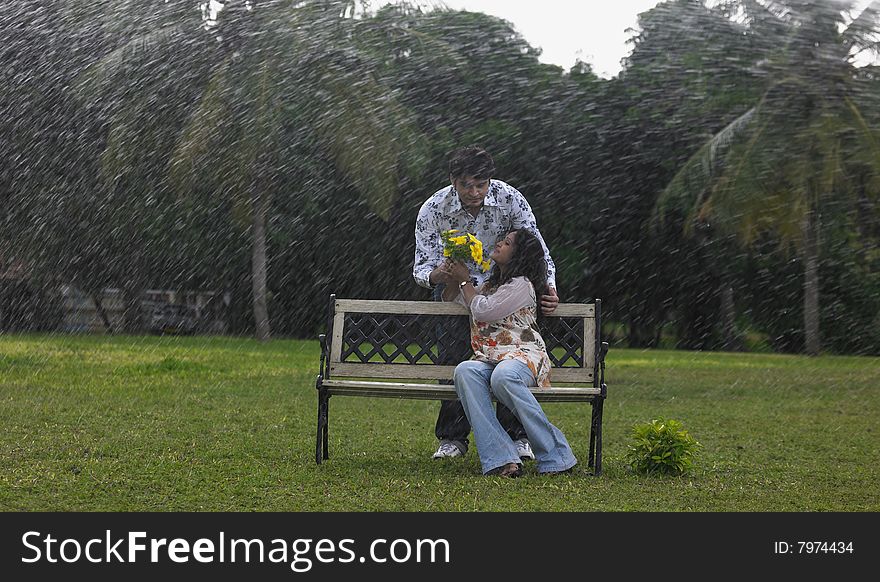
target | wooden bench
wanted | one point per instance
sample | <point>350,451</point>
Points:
<point>396,349</point>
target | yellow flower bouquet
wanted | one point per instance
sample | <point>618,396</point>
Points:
<point>463,248</point>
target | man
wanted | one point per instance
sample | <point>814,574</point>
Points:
<point>489,209</point>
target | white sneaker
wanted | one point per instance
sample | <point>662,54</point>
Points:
<point>524,449</point>
<point>447,449</point>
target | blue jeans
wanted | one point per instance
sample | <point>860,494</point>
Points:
<point>509,381</point>
<point>453,346</point>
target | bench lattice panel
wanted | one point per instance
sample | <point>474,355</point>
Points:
<point>425,340</point>
<point>564,334</point>
<point>402,339</point>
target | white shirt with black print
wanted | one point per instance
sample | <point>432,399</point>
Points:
<point>504,209</point>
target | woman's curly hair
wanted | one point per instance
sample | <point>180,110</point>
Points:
<point>527,261</point>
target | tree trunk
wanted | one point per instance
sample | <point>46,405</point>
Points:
<point>811,286</point>
<point>132,318</point>
<point>258,264</point>
<point>641,335</point>
<point>728,319</point>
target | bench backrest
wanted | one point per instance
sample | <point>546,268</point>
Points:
<point>399,340</point>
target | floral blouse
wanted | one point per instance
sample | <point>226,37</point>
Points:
<point>503,327</point>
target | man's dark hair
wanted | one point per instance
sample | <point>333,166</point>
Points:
<point>471,161</point>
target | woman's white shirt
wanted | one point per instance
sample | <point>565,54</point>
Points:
<point>507,299</point>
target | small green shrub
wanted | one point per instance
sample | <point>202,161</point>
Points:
<point>662,446</point>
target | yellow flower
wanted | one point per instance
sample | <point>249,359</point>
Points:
<point>477,250</point>
<point>463,247</point>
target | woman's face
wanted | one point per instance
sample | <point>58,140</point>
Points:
<point>504,249</point>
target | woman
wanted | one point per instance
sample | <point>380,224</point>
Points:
<point>509,357</point>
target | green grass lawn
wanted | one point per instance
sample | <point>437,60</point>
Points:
<point>94,423</point>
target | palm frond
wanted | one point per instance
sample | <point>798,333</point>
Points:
<point>870,146</point>
<point>749,165</point>
<point>739,187</point>
<point>197,151</point>
<point>782,164</point>
<point>689,187</point>
<point>371,136</point>
<point>868,136</point>
<point>116,158</point>
<point>91,81</point>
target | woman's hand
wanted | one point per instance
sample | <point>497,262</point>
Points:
<point>456,273</point>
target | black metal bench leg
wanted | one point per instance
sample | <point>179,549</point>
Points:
<point>597,427</point>
<point>592,457</point>
<point>320,432</point>
<point>321,437</point>
<point>326,451</point>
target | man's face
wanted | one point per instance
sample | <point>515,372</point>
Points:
<point>471,191</point>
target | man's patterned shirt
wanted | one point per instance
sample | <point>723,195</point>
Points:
<point>504,209</point>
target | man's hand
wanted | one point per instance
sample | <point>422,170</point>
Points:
<point>440,274</point>
<point>549,301</point>
<point>455,272</point>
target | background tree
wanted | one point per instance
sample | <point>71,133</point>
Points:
<point>781,166</point>
<point>197,132</point>
<point>59,217</point>
<point>284,72</point>
<point>688,74</point>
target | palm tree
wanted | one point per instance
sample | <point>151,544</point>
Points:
<point>782,164</point>
<point>287,73</point>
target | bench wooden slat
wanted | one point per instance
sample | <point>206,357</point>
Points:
<point>444,391</point>
<point>442,308</point>
<point>440,372</point>
<point>589,350</point>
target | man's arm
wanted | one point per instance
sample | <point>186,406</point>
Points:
<point>523,217</point>
<point>429,259</point>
